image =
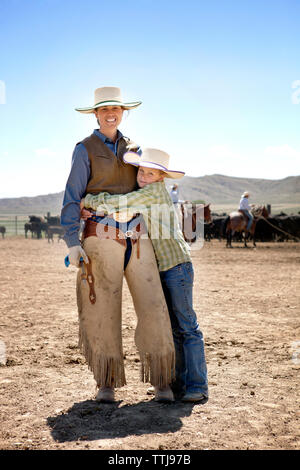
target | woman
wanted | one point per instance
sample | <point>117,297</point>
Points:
<point>108,253</point>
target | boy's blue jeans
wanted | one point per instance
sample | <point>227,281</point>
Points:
<point>191,370</point>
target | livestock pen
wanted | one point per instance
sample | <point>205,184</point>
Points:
<point>13,224</point>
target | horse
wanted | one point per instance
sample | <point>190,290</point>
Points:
<point>2,230</point>
<point>191,216</point>
<point>237,222</point>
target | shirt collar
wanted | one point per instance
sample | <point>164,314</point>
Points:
<point>107,139</point>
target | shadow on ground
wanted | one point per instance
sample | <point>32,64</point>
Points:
<point>90,420</point>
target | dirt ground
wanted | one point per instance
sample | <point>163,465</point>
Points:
<point>248,304</point>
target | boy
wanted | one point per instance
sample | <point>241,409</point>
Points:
<point>174,263</point>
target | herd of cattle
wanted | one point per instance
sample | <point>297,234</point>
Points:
<point>278,228</point>
<point>48,225</point>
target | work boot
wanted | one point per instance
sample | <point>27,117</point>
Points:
<point>177,391</point>
<point>106,395</point>
<point>194,397</point>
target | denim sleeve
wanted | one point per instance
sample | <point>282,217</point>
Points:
<point>74,192</point>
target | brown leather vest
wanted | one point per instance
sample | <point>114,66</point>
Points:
<point>108,171</point>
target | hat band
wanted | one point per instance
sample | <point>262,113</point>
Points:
<point>153,163</point>
<point>108,101</point>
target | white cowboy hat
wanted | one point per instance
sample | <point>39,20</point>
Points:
<point>153,158</point>
<point>245,194</point>
<point>108,96</point>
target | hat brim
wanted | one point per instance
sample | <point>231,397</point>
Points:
<point>102,104</point>
<point>133,159</point>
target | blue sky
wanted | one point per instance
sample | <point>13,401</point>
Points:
<point>219,81</point>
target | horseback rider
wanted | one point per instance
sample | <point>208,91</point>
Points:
<point>178,203</point>
<point>174,193</point>
<point>245,208</point>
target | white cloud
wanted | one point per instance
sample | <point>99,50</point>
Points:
<point>48,170</point>
<point>296,94</point>
<point>279,161</point>
<point>45,173</point>
<point>32,182</point>
<point>217,159</point>
<point>283,151</point>
<point>272,162</point>
<point>45,152</point>
<point>219,153</point>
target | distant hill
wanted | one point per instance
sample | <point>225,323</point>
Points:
<point>37,205</point>
<point>216,189</point>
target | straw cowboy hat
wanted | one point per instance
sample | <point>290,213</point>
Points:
<point>153,158</point>
<point>108,96</point>
<point>245,194</point>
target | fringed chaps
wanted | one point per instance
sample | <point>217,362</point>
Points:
<point>100,328</point>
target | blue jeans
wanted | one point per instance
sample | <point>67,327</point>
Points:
<point>250,219</point>
<point>191,370</point>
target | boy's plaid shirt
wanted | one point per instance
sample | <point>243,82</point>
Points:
<point>154,202</point>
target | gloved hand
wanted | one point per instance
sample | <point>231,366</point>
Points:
<point>75,253</point>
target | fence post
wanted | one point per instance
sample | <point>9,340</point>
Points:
<point>16,224</point>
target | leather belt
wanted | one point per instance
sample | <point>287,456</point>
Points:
<point>106,227</point>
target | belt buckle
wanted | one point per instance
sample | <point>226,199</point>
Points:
<point>123,216</point>
<point>129,233</point>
